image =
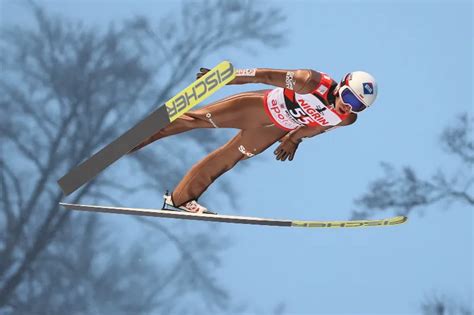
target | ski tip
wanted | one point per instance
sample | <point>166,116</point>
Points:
<point>351,224</point>
<point>398,220</point>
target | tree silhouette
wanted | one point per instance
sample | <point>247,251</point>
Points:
<point>442,305</point>
<point>404,191</point>
<point>68,89</point>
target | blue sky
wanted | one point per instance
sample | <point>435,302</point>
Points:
<point>421,54</point>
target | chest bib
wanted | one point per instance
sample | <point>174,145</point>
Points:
<point>289,110</point>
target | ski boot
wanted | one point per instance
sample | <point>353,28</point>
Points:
<point>190,206</point>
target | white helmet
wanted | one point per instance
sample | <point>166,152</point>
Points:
<point>358,89</point>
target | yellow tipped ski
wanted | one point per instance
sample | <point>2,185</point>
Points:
<point>235,219</point>
<point>199,90</point>
<point>195,93</point>
<point>350,224</point>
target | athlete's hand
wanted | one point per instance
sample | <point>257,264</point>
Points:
<point>202,71</point>
<point>287,148</point>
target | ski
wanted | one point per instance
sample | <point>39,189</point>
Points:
<point>236,219</point>
<point>158,119</point>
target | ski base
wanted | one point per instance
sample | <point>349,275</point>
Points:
<point>236,219</point>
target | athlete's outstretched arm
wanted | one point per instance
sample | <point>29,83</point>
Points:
<point>301,81</point>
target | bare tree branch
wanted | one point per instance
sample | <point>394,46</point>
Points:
<point>457,139</point>
<point>442,305</point>
<point>403,191</point>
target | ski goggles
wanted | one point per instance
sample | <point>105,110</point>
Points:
<point>349,98</point>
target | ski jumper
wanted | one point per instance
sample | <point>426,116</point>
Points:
<point>263,118</point>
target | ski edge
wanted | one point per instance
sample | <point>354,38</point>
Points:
<point>236,219</point>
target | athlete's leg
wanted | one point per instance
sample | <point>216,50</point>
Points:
<point>241,111</point>
<point>247,143</point>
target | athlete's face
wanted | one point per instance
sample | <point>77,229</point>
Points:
<point>340,107</point>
